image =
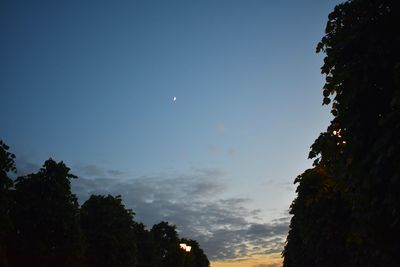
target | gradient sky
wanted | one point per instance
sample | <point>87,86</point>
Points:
<point>92,82</point>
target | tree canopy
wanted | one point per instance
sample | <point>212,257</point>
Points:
<point>196,256</point>
<point>110,232</point>
<point>167,252</point>
<point>7,165</point>
<point>347,211</point>
<point>42,224</point>
<point>46,218</point>
<point>145,246</point>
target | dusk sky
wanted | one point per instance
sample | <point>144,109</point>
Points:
<point>92,83</point>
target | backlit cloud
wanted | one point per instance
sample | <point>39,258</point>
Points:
<point>225,227</point>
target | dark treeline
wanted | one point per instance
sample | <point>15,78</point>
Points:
<point>42,224</point>
<point>347,210</point>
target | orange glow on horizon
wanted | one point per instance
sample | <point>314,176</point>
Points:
<point>251,262</point>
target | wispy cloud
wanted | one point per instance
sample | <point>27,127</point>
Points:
<point>25,165</point>
<point>225,227</point>
<point>95,171</point>
<point>220,127</point>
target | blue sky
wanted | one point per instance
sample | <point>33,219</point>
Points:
<point>91,83</point>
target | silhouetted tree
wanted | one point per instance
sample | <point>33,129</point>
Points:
<point>41,225</point>
<point>362,65</point>
<point>7,165</point>
<point>358,155</point>
<point>46,217</point>
<point>110,232</point>
<point>167,252</point>
<point>318,229</point>
<point>196,256</point>
<point>145,246</point>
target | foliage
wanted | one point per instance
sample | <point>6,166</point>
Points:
<point>320,223</point>
<point>161,247</point>
<point>196,256</point>
<point>110,232</point>
<point>43,225</point>
<point>351,199</point>
<point>167,252</point>
<point>145,246</point>
<point>7,165</point>
<point>46,218</point>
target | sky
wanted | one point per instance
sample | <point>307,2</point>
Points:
<point>92,83</point>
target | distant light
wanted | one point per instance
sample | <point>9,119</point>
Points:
<point>185,247</point>
<point>174,99</point>
<point>337,133</point>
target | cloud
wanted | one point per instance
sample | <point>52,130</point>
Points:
<point>232,152</point>
<point>221,151</point>
<point>25,166</point>
<point>225,228</point>
<point>90,170</point>
<point>220,127</point>
<point>116,172</point>
<point>213,149</point>
<point>94,171</point>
